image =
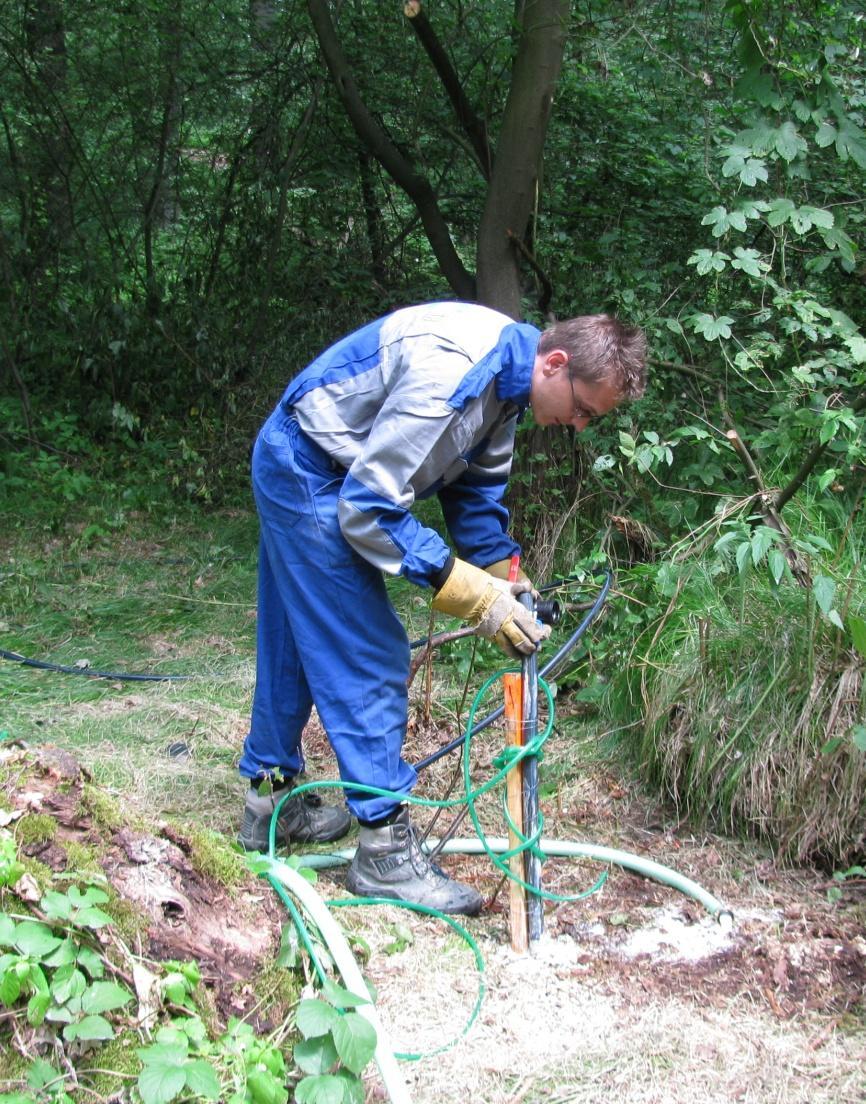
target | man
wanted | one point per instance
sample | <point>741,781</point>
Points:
<point>422,402</point>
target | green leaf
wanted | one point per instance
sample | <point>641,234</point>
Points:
<point>748,261</point>
<point>324,1089</point>
<point>56,905</point>
<point>824,590</point>
<point>314,1018</point>
<point>858,735</point>
<point>42,1073</point>
<point>37,1006</point>
<point>103,996</point>
<point>762,540</point>
<point>264,1088</point>
<point>825,135</point>
<point>317,1055</point>
<point>742,556</point>
<point>780,211</point>
<point>202,1079</point>
<point>69,982</point>
<point>711,327</point>
<point>857,348</point>
<point>789,143</point>
<point>708,261</point>
<point>833,744</point>
<point>753,170</point>
<point>10,988</point>
<point>851,142</point>
<point>776,564</point>
<point>857,628</point>
<point>159,1084</point>
<point>35,939</point>
<point>340,997</point>
<point>91,1027</point>
<point>7,930</point>
<point>355,1040</point>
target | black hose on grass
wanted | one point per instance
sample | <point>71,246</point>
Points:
<point>122,677</point>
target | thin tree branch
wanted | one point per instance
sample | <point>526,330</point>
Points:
<point>475,128</point>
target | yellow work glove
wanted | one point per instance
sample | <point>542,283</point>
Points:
<point>490,606</point>
<point>501,569</point>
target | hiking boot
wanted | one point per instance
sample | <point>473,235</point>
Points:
<point>389,863</point>
<point>303,819</point>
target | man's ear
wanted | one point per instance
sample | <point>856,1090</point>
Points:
<point>554,361</point>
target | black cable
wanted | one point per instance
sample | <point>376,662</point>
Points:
<point>43,666</point>
<point>548,670</point>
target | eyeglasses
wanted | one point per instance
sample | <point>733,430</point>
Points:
<point>578,412</point>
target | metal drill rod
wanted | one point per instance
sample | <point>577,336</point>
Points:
<point>532,865</point>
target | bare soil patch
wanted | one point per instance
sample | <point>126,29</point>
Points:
<point>634,993</point>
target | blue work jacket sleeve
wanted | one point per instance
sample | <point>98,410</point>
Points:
<point>473,506</point>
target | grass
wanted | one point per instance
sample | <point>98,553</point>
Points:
<point>750,702</point>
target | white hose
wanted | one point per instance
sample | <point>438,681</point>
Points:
<point>335,941</point>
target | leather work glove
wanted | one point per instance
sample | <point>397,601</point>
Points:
<point>501,569</point>
<point>490,606</point>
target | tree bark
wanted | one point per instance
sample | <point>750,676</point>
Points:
<point>511,194</point>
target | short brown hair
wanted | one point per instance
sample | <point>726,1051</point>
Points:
<point>600,347</point>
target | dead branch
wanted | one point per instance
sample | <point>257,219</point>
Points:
<point>435,641</point>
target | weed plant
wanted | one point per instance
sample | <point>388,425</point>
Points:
<point>751,699</point>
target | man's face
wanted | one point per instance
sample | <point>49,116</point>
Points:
<point>557,399</point>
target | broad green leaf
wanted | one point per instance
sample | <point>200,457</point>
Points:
<point>10,987</point>
<point>353,1087</point>
<point>753,208</point>
<point>7,930</point>
<point>37,1007</point>
<point>324,1089</point>
<point>776,564</point>
<point>91,1027</point>
<point>340,997</point>
<point>202,1079</point>
<point>90,961</point>
<point>160,1084</point>
<point>264,1088</point>
<point>858,735</point>
<point>314,1017</point>
<point>857,628</point>
<point>835,238</point>
<point>763,539</point>
<point>708,261</point>
<point>826,478</point>
<point>833,744</point>
<point>56,905</point>
<point>825,135</point>
<point>742,556</point>
<point>747,260</point>
<point>851,142</point>
<point>42,1073</point>
<point>164,1054</point>
<point>780,211</point>
<point>857,348</point>
<point>103,996</point>
<point>627,443</point>
<point>789,143</point>
<point>66,954</point>
<point>35,939</point>
<point>824,590</point>
<point>317,1055</point>
<point>69,982</point>
<point>355,1040</point>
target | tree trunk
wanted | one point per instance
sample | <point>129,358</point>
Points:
<point>511,194</point>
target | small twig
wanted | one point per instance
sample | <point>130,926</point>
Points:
<point>435,641</point>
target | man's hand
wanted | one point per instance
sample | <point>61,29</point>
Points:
<point>501,569</point>
<point>490,606</point>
